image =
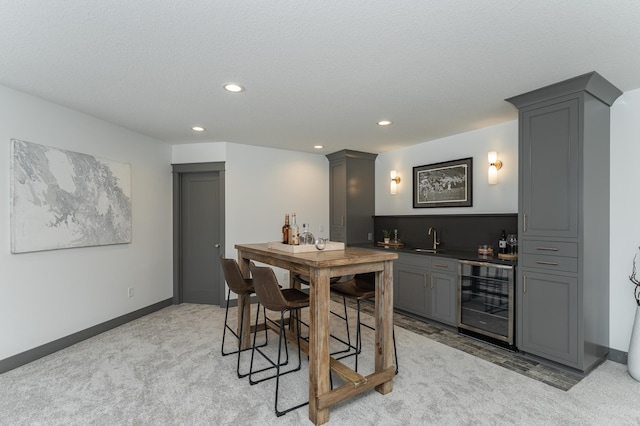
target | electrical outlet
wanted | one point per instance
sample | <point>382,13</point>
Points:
<point>321,229</point>
<point>370,236</point>
<point>130,292</point>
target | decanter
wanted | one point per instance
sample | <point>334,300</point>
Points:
<point>306,237</point>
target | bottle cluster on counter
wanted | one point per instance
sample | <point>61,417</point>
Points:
<point>291,232</point>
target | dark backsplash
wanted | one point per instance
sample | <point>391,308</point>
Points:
<point>455,232</point>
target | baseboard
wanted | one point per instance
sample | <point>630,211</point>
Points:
<point>617,356</point>
<point>26,357</point>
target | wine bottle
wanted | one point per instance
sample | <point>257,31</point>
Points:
<point>285,230</point>
<point>502,244</point>
<point>294,231</point>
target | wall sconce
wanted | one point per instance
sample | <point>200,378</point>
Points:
<point>395,180</point>
<point>494,166</point>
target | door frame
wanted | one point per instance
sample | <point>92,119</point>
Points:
<point>178,171</point>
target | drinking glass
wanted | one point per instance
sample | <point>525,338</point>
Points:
<point>512,241</point>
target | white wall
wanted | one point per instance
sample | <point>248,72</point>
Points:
<point>262,184</point>
<point>625,215</point>
<point>499,198</point>
<point>51,294</point>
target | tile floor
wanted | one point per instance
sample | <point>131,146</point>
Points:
<point>514,361</point>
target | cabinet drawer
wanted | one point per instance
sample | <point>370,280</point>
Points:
<point>439,264</point>
<point>550,248</point>
<point>556,263</point>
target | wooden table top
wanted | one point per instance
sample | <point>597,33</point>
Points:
<point>321,258</point>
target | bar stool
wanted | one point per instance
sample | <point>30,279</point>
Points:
<point>243,287</point>
<point>304,279</point>
<point>273,298</point>
<point>360,288</point>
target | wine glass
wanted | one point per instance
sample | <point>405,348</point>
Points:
<point>512,241</point>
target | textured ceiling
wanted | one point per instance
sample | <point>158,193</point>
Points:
<point>315,72</point>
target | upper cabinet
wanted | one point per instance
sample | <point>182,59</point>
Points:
<point>352,196</point>
<point>563,274</point>
<point>549,147</point>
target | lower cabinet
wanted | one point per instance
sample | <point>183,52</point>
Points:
<point>426,286</point>
<point>548,316</point>
<point>410,287</point>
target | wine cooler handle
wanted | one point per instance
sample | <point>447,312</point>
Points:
<point>524,284</point>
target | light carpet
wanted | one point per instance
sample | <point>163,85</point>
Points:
<point>166,369</point>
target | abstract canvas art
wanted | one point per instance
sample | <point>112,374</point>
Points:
<point>63,199</point>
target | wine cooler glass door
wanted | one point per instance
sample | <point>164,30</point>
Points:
<point>485,296</point>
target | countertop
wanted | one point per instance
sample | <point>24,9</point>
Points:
<point>452,254</point>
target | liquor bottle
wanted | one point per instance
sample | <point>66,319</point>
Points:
<point>285,230</point>
<point>294,231</point>
<point>502,244</point>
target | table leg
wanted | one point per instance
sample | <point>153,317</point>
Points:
<point>384,324</point>
<point>319,369</point>
<point>245,338</point>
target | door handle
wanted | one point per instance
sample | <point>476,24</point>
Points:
<point>217,245</point>
<point>524,284</point>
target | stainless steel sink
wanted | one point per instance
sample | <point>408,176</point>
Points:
<point>421,250</point>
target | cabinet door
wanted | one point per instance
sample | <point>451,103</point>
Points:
<point>548,316</point>
<point>549,166</point>
<point>410,289</point>
<point>338,200</point>
<point>443,297</point>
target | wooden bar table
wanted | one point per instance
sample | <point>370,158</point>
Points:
<point>320,266</point>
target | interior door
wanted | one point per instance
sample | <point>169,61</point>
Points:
<point>199,234</point>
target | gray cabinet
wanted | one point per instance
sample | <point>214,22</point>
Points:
<point>426,286</point>
<point>352,196</point>
<point>549,316</point>
<point>549,170</point>
<point>562,296</point>
<point>410,287</point>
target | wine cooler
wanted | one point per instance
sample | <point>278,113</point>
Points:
<point>486,301</point>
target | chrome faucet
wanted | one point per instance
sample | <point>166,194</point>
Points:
<point>436,243</point>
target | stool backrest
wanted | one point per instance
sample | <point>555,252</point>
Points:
<point>267,288</point>
<point>232,275</point>
<point>366,281</point>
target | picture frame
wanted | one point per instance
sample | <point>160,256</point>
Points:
<point>444,184</point>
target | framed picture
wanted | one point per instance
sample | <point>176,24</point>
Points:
<point>446,184</point>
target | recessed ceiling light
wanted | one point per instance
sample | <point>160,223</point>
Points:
<point>233,87</point>
<point>385,123</point>
<point>198,129</point>
<point>318,146</point>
